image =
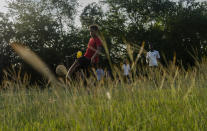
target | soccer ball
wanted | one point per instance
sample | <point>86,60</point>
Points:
<point>61,70</point>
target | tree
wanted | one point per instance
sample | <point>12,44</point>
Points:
<point>164,23</point>
<point>92,14</point>
<point>6,32</point>
<point>41,25</point>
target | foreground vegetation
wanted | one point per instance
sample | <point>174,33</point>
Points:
<point>168,99</point>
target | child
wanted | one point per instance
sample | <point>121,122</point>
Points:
<point>126,69</point>
<point>99,73</point>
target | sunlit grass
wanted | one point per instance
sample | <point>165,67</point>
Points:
<point>167,98</point>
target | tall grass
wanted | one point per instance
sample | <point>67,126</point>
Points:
<point>167,98</point>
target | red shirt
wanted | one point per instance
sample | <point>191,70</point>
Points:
<point>93,43</point>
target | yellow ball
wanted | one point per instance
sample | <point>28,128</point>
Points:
<point>79,54</point>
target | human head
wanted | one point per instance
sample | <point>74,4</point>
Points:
<point>93,30</point>
<point>151,48</point>
<point>125,61</point>
<point>97,66</point>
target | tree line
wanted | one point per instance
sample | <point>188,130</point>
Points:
<point>176,29</point>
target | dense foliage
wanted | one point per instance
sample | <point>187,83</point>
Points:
<point>48,28</point>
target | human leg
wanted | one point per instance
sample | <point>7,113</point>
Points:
<point>72,69</point>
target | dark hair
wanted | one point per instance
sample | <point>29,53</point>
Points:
<point>94,27</point>
<point>151,45</point>
<point>125,61</point>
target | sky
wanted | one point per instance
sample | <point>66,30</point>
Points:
<point>82,3</point>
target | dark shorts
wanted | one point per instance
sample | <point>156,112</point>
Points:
<point>84,62</point>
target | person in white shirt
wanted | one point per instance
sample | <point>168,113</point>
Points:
<point>152,57</point>
<point>126,69</point>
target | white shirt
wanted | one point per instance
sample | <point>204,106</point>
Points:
<point>152,57</point>
<point>126,69</point>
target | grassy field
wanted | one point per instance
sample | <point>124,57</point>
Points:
<point>168,99</point>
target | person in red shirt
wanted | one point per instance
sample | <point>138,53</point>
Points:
<point>92,53</point>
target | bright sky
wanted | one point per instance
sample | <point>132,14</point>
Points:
<point>82,3</point>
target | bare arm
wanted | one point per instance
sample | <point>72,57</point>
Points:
<point>147,57</point>
<point>158,56</point>
<point>95,54</point>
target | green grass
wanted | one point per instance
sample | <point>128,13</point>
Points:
<point>128,109</point>
<point>169,99</point>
